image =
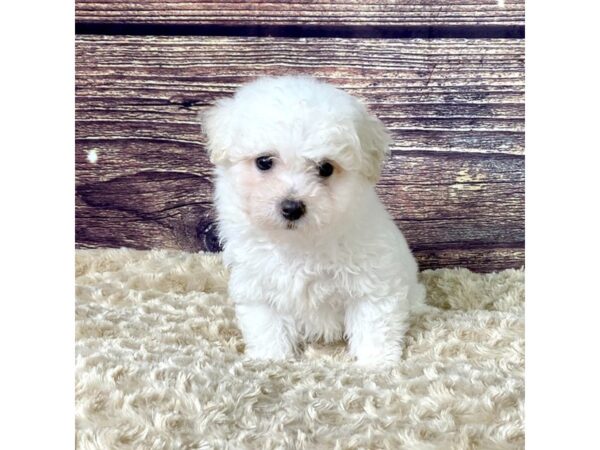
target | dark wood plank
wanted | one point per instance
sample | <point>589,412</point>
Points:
<point>454,183</point>
<point>440,95</point>
<point>487,259</point>
<point>316,12</point>
<point>456,201</point>
<point>439,202</point>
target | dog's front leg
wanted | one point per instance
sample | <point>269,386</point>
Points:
<point>375,329</point>
<point>267,333</point>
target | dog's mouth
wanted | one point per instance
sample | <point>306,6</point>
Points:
<point>291,226</point>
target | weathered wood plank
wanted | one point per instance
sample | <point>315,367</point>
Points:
<point>448,95</point>
<point>487,259</point>
<point>187,226</point>
<point>455,108</point>
<point>453,201</point>
<point>438,201</point>
<point>316,12</point>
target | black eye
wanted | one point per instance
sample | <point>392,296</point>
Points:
<point>264,162</point>
<point>325,169</point>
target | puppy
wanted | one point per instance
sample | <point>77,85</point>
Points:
<point>312,251</point>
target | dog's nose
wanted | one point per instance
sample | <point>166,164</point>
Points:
<point>292,209</point>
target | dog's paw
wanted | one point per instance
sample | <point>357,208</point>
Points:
<point>272,353</point>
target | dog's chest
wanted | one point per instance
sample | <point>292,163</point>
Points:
<point>316,302</point>
<point>305,289</point>
<point>301,285</point>
<point>313,293</point>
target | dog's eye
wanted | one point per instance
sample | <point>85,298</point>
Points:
<point>264,162</point>
<point>325,169</point>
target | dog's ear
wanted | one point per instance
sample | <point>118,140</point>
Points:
<point>217,127</point>
<point>374,141</point>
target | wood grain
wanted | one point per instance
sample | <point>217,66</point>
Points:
<point>454,184</point>
<point>434,95</point>
<point>488,259</point>
<point>438,202</point>
<point>316,12</point>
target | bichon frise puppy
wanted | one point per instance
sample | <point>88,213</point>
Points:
<point>312,251</point>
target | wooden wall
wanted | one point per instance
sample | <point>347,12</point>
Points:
<point>446,77</point>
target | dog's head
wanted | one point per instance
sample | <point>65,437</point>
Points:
<point>295,151</point>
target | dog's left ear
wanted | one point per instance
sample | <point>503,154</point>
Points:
<point>375,143</point>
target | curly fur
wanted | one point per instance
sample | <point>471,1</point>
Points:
<point>159,365</point>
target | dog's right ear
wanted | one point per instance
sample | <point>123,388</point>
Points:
<point>217,127</point>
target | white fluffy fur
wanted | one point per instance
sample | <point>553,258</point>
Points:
<point>344,268</point>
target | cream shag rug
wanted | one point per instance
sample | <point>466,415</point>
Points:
<point>159,365</point>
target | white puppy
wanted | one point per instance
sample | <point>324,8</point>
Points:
<point>312,251</point>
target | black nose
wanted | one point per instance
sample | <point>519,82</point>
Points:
<point>292,209</point>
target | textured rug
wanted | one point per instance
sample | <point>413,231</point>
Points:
<point>159,365</point>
